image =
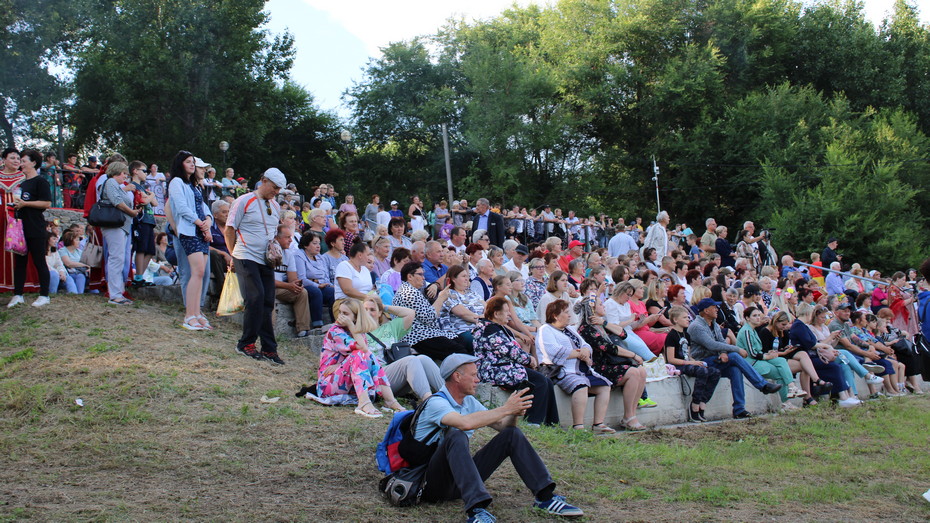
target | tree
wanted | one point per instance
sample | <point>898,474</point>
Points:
<point>161,75</point>
<point>33,35</point>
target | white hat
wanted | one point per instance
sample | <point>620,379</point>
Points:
<point>200,163</point>
<point>393,202</point>
<point>275,176</point>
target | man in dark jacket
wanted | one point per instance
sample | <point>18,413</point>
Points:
<point>488,221</point>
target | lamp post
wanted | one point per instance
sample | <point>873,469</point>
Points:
<point>346,137</point>
<point>224,146</point>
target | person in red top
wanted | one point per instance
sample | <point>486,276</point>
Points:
<point>575,250</point>
<point>816,273</point>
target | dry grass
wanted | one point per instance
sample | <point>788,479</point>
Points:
<point>172,429</point>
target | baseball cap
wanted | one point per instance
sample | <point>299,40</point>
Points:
<point>705,303</point>
<point>393,202</point>
<point>92,159</point>
<point>275,176</point>
<point>200,163</point>
<point>844,306</point>
<point>521,249</point>
<point>453,362</point>
<point>575,243</point>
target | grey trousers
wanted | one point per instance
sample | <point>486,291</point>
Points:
<point>116,240</point>
<point>418,373</point>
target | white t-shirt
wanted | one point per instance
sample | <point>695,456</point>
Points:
<point>361,280</point>
<point>615,313</point>
<point>383,218</point>
<point>287,264</point>
<point>524,269</point>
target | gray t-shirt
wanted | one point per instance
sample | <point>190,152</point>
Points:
<point>246,216</point>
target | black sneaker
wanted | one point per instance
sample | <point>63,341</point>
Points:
<point>272,357</point>
<point>742,415</point>
<point>694,416</point>
<point>771,388</point>
<point>701,415</point>
<point>250,351</point>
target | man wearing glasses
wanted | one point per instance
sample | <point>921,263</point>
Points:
<point>252,223</point>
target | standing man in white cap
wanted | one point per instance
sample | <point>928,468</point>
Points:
<point>252,223</point>
<point>453,472</point>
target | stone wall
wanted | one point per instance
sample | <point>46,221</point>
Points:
<point>68,216</point>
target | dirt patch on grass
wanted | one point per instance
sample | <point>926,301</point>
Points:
<point>172,428</point>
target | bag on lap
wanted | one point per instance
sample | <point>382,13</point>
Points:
<point>404,459</point>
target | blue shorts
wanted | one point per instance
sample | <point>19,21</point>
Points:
<point>193,244</point>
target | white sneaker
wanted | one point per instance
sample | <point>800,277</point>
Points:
<point>874,380</point>
<point>849,403</point>
<point>15,301</point>
<point>41,301</point>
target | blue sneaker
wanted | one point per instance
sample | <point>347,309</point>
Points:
<point>482,516</point>
<point>558,507</point>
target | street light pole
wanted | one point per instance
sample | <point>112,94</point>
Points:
<point>346,136</point>
<point>224,146</point>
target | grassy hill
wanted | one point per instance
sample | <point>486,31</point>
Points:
<point>172,428</point>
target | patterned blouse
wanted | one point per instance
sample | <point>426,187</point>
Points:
<point>535,289</point>
<point>425,323</point>
<point>467,299</point>
<point>502,361</point>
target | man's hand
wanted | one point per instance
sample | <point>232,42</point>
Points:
<point>518,403</point>
<point>295,287</point>
<point>724,357</point>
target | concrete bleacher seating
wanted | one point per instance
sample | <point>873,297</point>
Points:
<point>667,393</point>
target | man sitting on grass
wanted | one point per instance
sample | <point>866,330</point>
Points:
<point>453,472</point>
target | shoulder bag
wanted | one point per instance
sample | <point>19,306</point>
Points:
<point>93,253</point>
<point>273,252</point>
<point>546,367</point>
<point>104,213</point>
<point>396,351</point>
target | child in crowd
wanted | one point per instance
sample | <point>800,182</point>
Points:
<point>678,353</point>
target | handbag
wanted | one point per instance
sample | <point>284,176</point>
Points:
<point>93,253</point>
<point>616,359</point>
<point>104,213</point>
<point>273,252</point>
<point>15,240</point>
<point>547,368</point>
<point>231,300</point>
<point>396,351</point>
<point>404,488</point>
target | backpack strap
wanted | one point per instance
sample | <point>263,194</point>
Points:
<point>416,417</point>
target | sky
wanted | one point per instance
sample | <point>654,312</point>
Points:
<point>336,40</point>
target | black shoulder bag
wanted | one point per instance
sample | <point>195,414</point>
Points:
<point>395,352</point>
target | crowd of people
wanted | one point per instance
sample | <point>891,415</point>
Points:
<point>528,302</point>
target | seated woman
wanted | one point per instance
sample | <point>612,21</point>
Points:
<point>503,362</point>
<point>769,364</point>
<point>653,338</point>
<point>58,274</point>
<point>848,363</point>
<point>657,302</point>
<point>353,279</point>
<point>502,288</point>
<point>903,349</point>
<point>382,257</point>
<point>678,353</point>
<point>71,258</point>
<point>335,254</point>
<point>391,277</point>
<point>774,337</point>
<point>496,255</point>
<point>482,284</point>
<point>348,371</point>
<point>414,373</point>
<point>457,306</point>
<point>576,273</point>
<point>314,277</point>
<point>863,337</point>
<point>822,355</point>
<point>558,343</point>
<point>557,289</point>
<point>621,367</point>
<point>522,304</point>
<point>348,222</point>
<point>901,302</point>
<point>617,314</point>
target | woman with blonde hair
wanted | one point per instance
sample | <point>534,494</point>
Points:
<point>349,371</point>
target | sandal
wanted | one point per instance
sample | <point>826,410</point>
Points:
<point>628,425</point>
<point>820,387</point>
<point>600,428</point>
<point>360,410</point>
<point>120,300</point>
<point>397,407</point>
<point>578,427</point>
<point>809,402</point>
<point>204,323</point>
<point>192,326</point>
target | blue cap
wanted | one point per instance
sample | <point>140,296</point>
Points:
<point>705,303</point>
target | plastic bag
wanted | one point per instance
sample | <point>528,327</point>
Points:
<point>231,300</point>
<point>15,240</point>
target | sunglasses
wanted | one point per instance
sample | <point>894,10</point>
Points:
<point>268,207</point>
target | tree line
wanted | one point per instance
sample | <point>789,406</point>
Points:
<point>803,117</point>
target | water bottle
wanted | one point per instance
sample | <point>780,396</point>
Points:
<point>775,344</point>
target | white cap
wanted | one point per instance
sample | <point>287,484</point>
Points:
<point>393,202</point>
<point>200,163</point>
<point>276,177</point>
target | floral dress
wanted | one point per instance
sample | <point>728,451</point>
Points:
<point>602,347</point>
<point>356,371</point>
<point>501,360</point>
<point>535,289</point>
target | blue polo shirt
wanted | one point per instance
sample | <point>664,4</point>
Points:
<point>436,409</point>
<point>432,274</point>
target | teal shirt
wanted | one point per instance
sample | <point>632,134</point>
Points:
<point>748,340</point>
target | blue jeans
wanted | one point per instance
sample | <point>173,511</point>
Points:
<point>734,369</point>
<point>318,298</point>
<point>54,281</point>
<point>184,272</point>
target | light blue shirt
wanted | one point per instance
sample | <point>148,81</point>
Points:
<point>482,222</point>
<point>435,410</point>
<point>621,243</point>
